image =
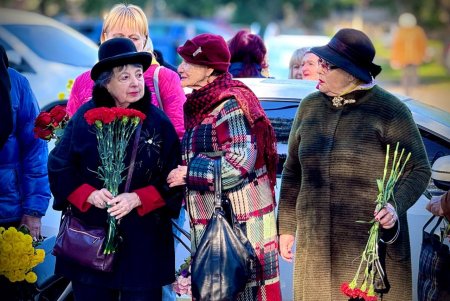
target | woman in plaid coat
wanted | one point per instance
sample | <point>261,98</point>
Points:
<point>224,118</point>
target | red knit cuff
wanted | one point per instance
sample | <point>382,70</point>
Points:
<point>150,199</point>
<point>79,197</point>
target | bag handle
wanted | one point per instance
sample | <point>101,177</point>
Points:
<point>218,183</point>
<point>435,226</point>
<point>156,85</point>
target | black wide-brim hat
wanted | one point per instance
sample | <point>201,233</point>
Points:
<point>119,52</point>
<point>352,51</point>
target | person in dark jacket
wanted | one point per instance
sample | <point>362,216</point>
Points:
<point>145,260</point>
<point>24,188</point>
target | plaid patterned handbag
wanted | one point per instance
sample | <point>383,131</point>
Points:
<point>434,266</point>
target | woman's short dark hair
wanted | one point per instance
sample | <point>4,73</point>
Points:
<point>248,49</point>
<point>104,78</point>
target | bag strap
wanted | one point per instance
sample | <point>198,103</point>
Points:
<point>435,226</point>
<point>218,183</point>
<point>184,232</point>
<point>156,85</point>
<point>133,157</point>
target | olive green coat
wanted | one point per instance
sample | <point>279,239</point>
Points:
<point>329,178</point>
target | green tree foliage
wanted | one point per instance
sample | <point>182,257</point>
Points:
<point>96,7</point>
<point>191,9</point>
<point>432,14</point>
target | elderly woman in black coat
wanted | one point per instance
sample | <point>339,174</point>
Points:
<point>144,261</point>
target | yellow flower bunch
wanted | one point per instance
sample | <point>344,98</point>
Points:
<point>62,95</point>
<point>18,256</point>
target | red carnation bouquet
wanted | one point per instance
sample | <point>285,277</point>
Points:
<point>113,128</point>
<point>362,287</point>
<point>50,125</point>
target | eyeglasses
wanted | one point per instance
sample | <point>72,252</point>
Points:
<point>326,66</point>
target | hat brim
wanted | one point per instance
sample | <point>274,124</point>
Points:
<point>336,59</point>
<point>142,58</point>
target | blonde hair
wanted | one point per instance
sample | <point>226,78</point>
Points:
<point>297,58</point>
<point>126,15</point>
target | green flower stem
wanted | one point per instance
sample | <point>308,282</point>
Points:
<point>370,256</point>
<point>113,140</point>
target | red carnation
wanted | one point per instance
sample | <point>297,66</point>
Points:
<point>45,134</point>
<point>43,120</point>
<point>120,112</point>
<point>108,116</point>
<point>59,113</point>
<point>346,290</point>
<point>370,298</point>
<point>135,113</point>
<point>105,115</point>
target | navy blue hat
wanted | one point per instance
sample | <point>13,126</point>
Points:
<point>119,52</point>
<point>352,51</point>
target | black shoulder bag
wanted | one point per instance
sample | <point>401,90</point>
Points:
<point>224,259</point>
<point>434,266</point>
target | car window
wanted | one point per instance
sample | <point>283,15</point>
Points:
<point>54,44</point>
<point>281,114</point>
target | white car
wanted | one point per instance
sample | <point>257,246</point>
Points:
<point>47,52</point>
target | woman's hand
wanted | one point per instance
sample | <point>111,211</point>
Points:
<point>122,204</point>
<point>435,206</point>
<point>33,223</point>
<point>387,216</point>
<point>286,244</point>
<point>177,176</point>
<point>99,198</point>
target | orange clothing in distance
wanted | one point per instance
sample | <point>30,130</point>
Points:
<point>408,47</point>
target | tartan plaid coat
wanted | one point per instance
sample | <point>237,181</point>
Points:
<point>329,178</point>
<point>225,132</point>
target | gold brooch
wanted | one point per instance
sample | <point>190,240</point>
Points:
<point>339,101</point>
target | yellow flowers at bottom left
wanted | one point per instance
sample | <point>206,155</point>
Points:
<point>18,255</point>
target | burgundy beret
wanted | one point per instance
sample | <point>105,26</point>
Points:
<point>207,50</point>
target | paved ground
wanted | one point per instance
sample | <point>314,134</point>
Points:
<point>436,94</point>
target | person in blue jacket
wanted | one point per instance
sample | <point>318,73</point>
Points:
<point>24,186</point>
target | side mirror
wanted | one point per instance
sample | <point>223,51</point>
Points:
<point>14,58</point>
<point>18,62</point>
<point>440,173</point>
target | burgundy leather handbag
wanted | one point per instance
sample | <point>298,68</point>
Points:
<point>82,244</point>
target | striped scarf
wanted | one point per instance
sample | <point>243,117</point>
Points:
<point>201,102</point>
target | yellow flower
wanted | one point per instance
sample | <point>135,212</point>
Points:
<point>31,277</point>
<point>40,254</point>
<point>18,256</point>
<point>61,96</point>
